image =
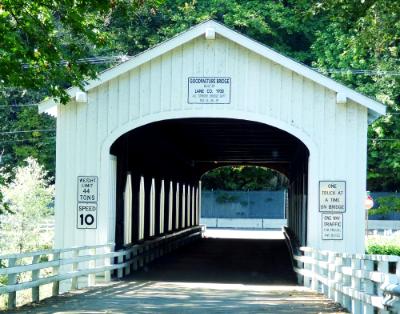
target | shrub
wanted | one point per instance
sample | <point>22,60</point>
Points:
<point>30,198</point>
<point>383,245</point>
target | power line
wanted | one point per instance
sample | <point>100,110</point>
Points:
<point>12,105</point>
<point>384,139</point>
<point>43,140</point>
<point>124,58</point>
<point>89,60</point>
<point>26,131</point>
<point>357,71</point>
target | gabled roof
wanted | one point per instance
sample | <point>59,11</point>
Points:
<point>375,108</point>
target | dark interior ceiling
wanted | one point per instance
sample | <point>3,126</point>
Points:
<point>187,148</point>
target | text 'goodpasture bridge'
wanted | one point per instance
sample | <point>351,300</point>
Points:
<point>132,147</point>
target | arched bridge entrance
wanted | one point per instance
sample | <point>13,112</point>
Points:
<point>164,161</point>
<point>205,98</point>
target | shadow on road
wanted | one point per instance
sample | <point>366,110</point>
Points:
<point>246,261</point>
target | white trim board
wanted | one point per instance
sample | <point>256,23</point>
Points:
<point>375,108</point>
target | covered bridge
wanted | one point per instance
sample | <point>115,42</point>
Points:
<point>132,147</point>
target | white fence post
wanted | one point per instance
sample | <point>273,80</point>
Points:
<point>135,259</point>
<point>12,280</point>
<point>170,205</point>
<point>162,208</point>
<point>331,275</point>
<point>314,269</point>
<point>128,266</point>
<point>177,206</point>
<point>323,272</point>
<point>183,208</point>
<point>355,285</point>
<point>307,266</point>
<point>92,264</point>
<point>193,211</point>
<point>368,286</point>
<point>35,276</point>
<point>55,271</point>
<point>338,277</point>
<point>74,282</point>
<point>120,271</point>
<point>346,283</point>
<point>107,262</point>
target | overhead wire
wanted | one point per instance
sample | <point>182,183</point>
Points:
<point>22,105</point>
<point>89,60</point>
<point>26,131</point>
<point>358,71</point>
<point>42,140</point>
<point>123,58</point>
<point>384,139</point>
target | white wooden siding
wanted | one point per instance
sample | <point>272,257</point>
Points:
<point>262,89</point>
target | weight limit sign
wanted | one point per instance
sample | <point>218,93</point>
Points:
<point>87,216</point>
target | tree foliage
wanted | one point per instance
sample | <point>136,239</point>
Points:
<point>338,37</point>
<point>366,36</point>
<point>275,23</point>
<point>30,198</point>
<point>43,41</point>
<point>17,142</point>
<point>243,178</point>
<point>36,37</point>
<point>387,204</point>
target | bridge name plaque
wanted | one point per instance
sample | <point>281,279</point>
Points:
<point>87,202</point>
<point>209,90</point>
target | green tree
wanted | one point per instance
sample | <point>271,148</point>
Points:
<point>361,36</point>
<point>42,43</point>
<point>16,141</point>
<point>275,23</point>
<point>43,46</point>
<point>30,199</point>
<point>243,178</point>
<point>387,205</point>
<point>37,37</point>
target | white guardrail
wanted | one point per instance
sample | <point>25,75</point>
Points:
<point>362,283</point>
<point>54,266</point>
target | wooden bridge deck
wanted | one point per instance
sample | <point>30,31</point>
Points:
<point>179,297</point>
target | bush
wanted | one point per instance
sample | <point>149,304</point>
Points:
<point>386,205</point>
<point>383,245</point>
<point>30,198</point>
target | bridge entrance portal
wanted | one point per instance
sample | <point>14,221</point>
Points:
<point>159,166</point>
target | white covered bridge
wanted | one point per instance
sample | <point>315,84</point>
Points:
<point>206,98</point>
<point>133,146</point>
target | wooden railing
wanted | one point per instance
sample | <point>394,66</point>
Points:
<point>361,283</point>
<point>35,269</point>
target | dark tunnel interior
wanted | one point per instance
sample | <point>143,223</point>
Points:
<point>187,148</point>
<point>181,151</point>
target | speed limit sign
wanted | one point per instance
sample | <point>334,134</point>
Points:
<point>87,216</point>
